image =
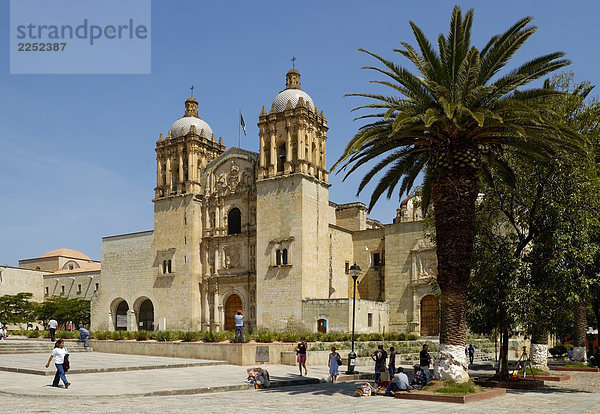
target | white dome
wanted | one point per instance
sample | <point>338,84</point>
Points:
<point>186,122</point>
<point>291,95</point>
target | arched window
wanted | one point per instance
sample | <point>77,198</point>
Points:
<point>168,266</point>
<point>281,157</point>
<point>284,257</point>
<point>234,221</point>
<point>278,258</point>
<point>164,267</point>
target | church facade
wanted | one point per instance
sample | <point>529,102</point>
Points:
<point>234,229</point>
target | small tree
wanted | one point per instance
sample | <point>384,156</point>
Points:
<point>64,310</point>
<point>17,308</point>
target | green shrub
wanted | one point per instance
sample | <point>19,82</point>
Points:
<point>453,388</point>
<point>558,350</point>
<point>190,336</point>
<point>164,335</point>
<point>118,335</point>
<point>141,335</point>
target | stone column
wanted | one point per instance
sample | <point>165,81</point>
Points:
<point>181,177</point>
<point>205,307</point>
<point>191,169</point>
<point>215,324</point>
<point>217,261</point>
<point>262,148</point>
<point>300,142</point>
<point>168,175</point>
<point>158,172</point>
<point>131,321</point>
<point>273,153</point>
<point>288,150</point>
<point>217,219</point>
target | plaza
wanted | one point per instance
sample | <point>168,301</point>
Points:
<point>106,383</point>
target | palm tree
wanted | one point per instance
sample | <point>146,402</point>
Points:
<point>451,122</point>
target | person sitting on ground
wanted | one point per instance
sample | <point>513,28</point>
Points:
<point>84,336</point>
<point>419,379</point>
<point>398,383</point>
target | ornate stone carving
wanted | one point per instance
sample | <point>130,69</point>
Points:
<point>426,263</point>
<point>232,258</point>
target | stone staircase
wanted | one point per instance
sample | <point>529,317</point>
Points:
<point>18,346</point>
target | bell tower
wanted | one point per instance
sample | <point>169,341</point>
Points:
<point>293,134</point>
<point>292,218</point>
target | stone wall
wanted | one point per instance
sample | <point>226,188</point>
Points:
<point>14,280</point>
<point>236,354</point>
<point>338,315</point>
<point>340,257</point>
<point>54,285</point>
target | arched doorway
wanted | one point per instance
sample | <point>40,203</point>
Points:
<point>430,316</point>
<point>121,316</point>
<point>146,316</point>
<point>322,326</point>
<point>231,307</point>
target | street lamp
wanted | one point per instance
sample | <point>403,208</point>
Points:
<point>354,272</point>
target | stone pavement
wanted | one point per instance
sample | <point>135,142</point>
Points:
<point>95,362</point>
<point>168,390</point>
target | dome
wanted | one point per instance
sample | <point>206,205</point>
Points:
<point>292,95</point>
<point>73,254</point>
<point>186,122</point>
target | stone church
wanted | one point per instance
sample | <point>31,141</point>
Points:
<point>234,229</point>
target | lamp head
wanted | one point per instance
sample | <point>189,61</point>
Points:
<point>354,271</point>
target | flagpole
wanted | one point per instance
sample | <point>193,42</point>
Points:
<point>239,126</point>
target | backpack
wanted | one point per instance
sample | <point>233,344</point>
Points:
<point>66,363</point>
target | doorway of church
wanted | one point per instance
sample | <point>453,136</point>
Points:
<point>146,316</point>
<point>322,326</point>
<point>430,316</point>
<point>231,307</point>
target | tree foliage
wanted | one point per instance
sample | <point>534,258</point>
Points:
<point>17,308</point>
<point>64,310</point>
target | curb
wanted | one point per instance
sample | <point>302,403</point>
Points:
<point>185,391</point>
<point>101,370</point>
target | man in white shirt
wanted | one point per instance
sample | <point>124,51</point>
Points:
<point>398,383</point>
<point>52,325</point>
<point>239,326</point>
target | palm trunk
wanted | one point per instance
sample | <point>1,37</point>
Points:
<point>579,351</point>
<point>454,195</point>
<point>539,349</point>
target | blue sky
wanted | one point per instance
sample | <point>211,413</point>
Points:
<point>77,151</point>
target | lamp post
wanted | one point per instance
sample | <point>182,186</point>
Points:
<point>354,272</point>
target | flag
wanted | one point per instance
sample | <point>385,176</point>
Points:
<point>242,123</point>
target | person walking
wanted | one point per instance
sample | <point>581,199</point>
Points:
<point>335,360</point>
<point>392,363</point>
<point>301,356</point>
<point>379,356</point>
<point>471,354</point>
<point>84,336</point>
<point>425,360</point>
<point>52,325</point>
<point>70,326</point>
<point>58,353</point>
<point>239,326</point>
